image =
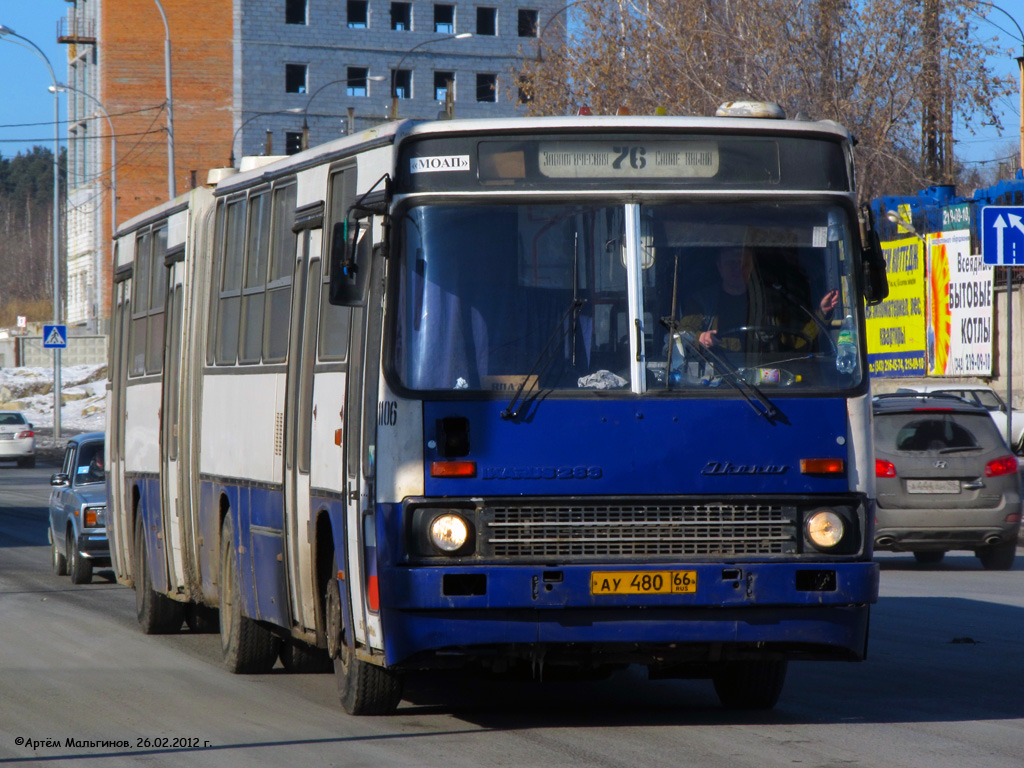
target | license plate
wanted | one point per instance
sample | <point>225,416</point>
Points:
<point>933,486</point>
<point>643,582</point>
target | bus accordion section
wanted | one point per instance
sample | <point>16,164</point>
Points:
<point>563,394</point>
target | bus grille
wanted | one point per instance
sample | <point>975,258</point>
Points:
<point>582,531</point>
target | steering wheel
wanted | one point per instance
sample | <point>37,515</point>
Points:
<point>767,333</point>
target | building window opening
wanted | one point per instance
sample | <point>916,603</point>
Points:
<point>487,22</point>
<point>295,78</point>
<point>487,88</point>
<point>525,90</point>
<point>442,82</point>
<point>401,17</point>
<point>358,14</point>
<point>295,12</point>
<point>357,81</point>
<point>444,19</point>
<point>402,79</point>
<point>527,23</point>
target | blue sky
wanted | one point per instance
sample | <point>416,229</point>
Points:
<point>25,99</point>
<point>24,79</point>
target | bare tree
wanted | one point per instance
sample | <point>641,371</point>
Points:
<point>885,69</point>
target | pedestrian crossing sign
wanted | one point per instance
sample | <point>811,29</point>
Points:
<point>55,336</point>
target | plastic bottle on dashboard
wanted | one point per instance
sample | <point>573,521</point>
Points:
<point>846,347</point>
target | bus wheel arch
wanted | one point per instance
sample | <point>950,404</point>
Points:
<point>156,613</point>
<point>247,647</point>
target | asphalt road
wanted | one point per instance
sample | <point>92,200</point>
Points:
<point>82,686</point>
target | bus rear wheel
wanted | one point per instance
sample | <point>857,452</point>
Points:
<point>247,647</point>
<point>157,614</point>
<point>363,688</point>
<point>750,684</point>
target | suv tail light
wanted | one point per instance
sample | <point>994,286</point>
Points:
<point>1006,465</point>
<point>884,468</point>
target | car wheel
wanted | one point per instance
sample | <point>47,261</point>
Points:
<point>60,563</point>
<point>157,614</point>
<point>247,647</point>
<point>750,684</point>
<point>999,557</point>
<point>929,557</point>
<point>79,569</point>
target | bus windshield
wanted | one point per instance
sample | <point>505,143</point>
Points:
<point>565,297</point>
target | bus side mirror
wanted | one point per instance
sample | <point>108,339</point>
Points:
<point>876,283</point>
<point>346,286</point>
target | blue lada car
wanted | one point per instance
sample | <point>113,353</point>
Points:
<point>78,510</point>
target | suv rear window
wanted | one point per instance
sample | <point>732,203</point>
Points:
<point>934,432</point>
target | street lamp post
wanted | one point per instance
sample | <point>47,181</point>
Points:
<point>305,112</point>
<point>290,111</point>
<point>113,183</point>
<point>7,31</point>
<point>395,71</point>
<point>171,186</point>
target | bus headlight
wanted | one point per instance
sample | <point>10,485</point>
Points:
<point>448,532</point>
<point>825,529</point>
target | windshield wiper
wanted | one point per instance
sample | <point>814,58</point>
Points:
<point>763,406</point>
<point>957,449</point>
<point>550,352</point>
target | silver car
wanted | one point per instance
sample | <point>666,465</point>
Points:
<point>945,480</point>
<point>78,510</point>
<point>17,438</point>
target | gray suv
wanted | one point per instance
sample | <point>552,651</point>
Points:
<point>945,480</point>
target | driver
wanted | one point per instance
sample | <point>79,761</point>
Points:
<point>739,314</point>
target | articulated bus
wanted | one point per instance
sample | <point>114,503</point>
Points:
<point>562,394</point>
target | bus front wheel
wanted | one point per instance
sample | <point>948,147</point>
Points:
<point>750,684</point>
<point>247,647</point>
<point>363,688</point>
<point>157,614</point>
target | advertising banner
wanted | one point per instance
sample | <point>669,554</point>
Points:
<point>896,327</point>
<point>960,301</point>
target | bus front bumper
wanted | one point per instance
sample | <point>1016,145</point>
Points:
<point>805,610</point>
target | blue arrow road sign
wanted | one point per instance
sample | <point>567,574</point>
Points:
<point>1002,234</point>
<point>55,336</point>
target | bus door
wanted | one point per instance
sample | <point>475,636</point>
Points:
<point>120,526</point>
<point>360,429</point>
<point>299,415</point>
<point>170,497</point>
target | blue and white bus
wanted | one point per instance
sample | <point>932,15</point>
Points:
<point>481,394</point>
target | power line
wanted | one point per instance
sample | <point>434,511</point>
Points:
<point>115,114</point>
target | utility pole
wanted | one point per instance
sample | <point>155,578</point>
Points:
<point>931,75</point>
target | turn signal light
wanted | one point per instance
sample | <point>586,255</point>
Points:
<point>1006,465</point>
<point>822,466</point>
<point>453,469</point>
<point>884,468</point>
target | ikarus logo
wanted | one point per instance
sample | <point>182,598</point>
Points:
<point>439,163</point>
